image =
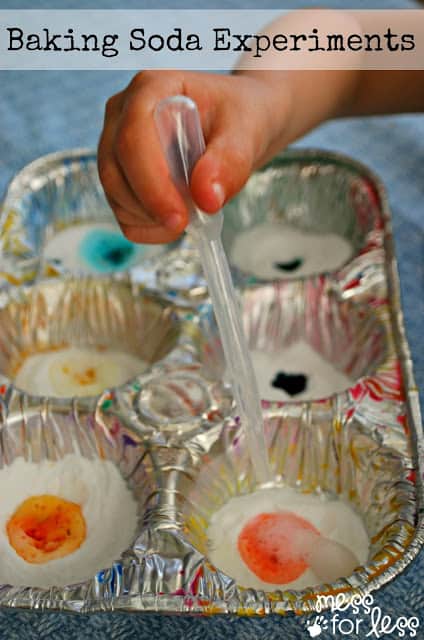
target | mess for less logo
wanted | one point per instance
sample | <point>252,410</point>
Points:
<point>369,620</point>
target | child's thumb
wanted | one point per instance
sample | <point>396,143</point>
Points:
<point>223,169</point>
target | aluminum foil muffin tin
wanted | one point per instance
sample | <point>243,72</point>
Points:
<point>314,199</point>
<point>61,191</point>
<point>182,382</point>
<point>88,313</point>
<point>174,432</point>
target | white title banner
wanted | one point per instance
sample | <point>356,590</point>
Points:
<point>211,40</point>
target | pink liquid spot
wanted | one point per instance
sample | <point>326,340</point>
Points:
<point>276,546</point>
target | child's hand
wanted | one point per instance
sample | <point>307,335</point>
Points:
<point>241,118</point>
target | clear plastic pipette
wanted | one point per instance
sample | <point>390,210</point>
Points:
<point>180,132</point>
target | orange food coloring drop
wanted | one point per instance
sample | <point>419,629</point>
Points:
<point>270,544</point>
<point>45,528</point>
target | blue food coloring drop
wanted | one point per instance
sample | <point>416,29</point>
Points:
<point>106,251</point>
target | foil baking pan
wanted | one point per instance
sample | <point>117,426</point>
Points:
<point>58,194</point>
<point>362,444</point>
<point>330,195</point>
<point>353,337</point>
<point>180,380</point>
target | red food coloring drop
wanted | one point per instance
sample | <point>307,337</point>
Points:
<point>275,546</point>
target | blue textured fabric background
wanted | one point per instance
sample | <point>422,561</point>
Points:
<point>42,112</point>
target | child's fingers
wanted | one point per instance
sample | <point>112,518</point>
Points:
<point>125,216</point>
<point>116,187</point>
<point>135,222</point>
<point>140,227</point>
<point>149,235</point>
<point>140,157</point>
<point>118,192</point>
<point>225,166</point>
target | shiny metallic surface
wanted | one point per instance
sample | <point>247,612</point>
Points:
<point>85,312</point>
<point>55,192</point>
<point>173,431</point>
<point>314,192</point>
<point>181,383</point>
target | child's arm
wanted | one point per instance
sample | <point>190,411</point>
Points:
<point>317,96</point>
<point>246,119</point>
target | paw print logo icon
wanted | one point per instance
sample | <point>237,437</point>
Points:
<point>316,626</point>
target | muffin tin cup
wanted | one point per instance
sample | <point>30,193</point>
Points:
<point>362,444</point>
<point>339,458</point>
<point>314,192</point>
<point>50,433</point>
<point>179,390</point>
<point>61,191</point>
<point>57,192</point>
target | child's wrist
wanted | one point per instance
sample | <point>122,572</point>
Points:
<point>275,119</point>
